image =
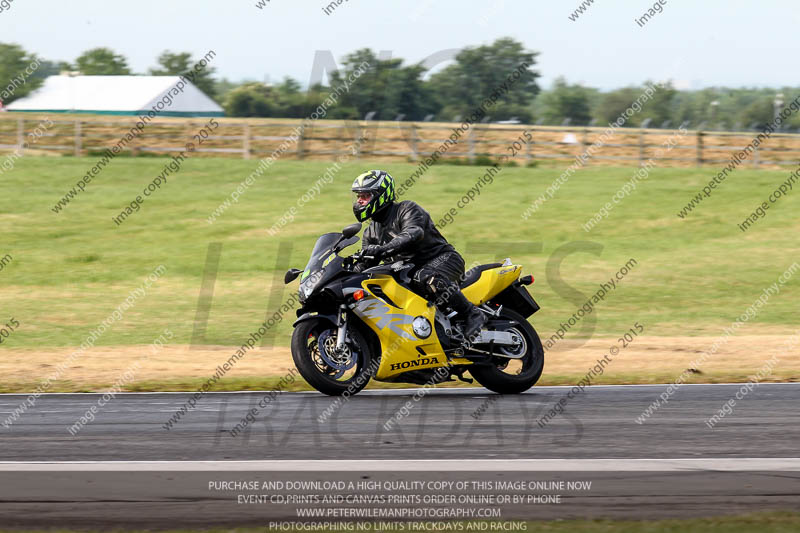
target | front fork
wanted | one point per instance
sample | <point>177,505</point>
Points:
<point>341,334</point>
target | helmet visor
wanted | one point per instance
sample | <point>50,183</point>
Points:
<point>361,198</point>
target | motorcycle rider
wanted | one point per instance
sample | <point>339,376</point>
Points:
<point>404,231</point>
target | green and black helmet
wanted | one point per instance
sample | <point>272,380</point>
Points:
<point>373,191</point>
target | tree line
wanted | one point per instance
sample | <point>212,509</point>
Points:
<point>393,90</point>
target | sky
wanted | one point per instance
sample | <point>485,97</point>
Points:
<point>734,43</point>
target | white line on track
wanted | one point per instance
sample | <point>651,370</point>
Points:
<point>408,390</point>
<point>719,464</point>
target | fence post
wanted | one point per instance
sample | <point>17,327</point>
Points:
<point>755,156</point>
<point>78,138</point>
<point>246,141</point>
<point>361,133</point>
<point>585,145</point>
<point>641,147</point>
<point>699,148</point>
<point>21,135</point>
<point>300,141</point>
<point>581,147</point>
<point>412,137</point>
<point>472,144</point>
<point>529,148</point>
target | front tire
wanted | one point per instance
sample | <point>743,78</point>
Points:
<point>328,372</point>
<point>513,376</point>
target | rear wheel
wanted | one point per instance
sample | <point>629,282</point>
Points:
<point>330,371</point>
<point>513,375</point>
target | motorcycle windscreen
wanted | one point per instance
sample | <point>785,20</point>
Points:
<point>321,256</point>
<point>321,251</point>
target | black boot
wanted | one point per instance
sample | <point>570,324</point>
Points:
<point>473,323</point>
<point>474,318</point>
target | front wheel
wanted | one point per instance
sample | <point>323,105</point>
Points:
<point>329,371</point>
<point>505,375</point>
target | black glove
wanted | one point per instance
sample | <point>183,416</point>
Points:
<point>373,250</point>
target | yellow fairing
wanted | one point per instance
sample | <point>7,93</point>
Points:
<point>491,283</point>
<point>402,350</point>
<point>393,325</point>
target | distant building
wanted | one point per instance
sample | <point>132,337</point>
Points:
<point>171,96</point>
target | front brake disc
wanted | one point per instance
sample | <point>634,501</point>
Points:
<point>327,347</point>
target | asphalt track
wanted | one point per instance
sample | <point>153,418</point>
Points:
<point>125,468</point>
<point>598,423</point>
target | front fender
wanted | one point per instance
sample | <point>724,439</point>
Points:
<point>333,319</point>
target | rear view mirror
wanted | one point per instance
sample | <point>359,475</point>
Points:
<point>291,275</point>
<point>351,230</point>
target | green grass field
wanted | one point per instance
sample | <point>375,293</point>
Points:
<point>70,270</point>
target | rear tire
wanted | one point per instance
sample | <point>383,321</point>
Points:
<point>493,376</point>
<point>316,371</point>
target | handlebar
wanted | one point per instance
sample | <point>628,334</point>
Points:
<point>358,256</point>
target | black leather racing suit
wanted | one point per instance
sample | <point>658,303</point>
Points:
<point>407,232</point>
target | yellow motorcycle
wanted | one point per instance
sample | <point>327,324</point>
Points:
<point>356,326</point>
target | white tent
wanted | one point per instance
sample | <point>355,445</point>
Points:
<point>119,95</point>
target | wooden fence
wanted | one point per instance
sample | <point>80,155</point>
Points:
<point>323,139</point>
